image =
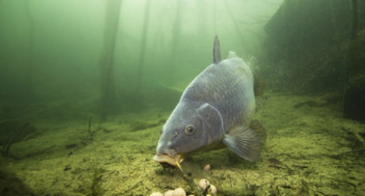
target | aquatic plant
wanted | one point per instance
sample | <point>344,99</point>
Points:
<point>96,189</point>
<point>141,125</point>
<point>91,132</point>
<point>12,131</point>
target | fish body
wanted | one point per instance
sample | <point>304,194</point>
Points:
<point>214,111</point>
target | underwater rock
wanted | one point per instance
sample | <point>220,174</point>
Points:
<point>354,94</point>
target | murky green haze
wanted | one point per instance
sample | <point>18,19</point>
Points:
<point>86,87</point>
<point>51,50</point>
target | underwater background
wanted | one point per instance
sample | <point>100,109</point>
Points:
<point>86,86</point>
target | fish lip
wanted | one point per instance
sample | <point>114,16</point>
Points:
<point>160,157</point>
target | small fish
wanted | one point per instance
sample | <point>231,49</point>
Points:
<point>214,111</point>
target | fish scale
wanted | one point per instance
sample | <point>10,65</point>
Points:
<point>214,111</point>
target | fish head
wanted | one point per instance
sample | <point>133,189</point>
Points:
<point>189,129</point>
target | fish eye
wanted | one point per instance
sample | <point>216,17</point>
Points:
<point>190,129</point>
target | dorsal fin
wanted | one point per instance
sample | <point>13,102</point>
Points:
<point>216,51</point>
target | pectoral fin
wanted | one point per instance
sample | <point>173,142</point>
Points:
<point>244,142</point>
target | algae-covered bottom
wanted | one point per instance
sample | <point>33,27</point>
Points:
<point>310,150</point>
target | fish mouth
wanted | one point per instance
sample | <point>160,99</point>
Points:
<point>172,160</point>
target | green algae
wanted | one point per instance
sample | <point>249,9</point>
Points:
<point>308,151</point>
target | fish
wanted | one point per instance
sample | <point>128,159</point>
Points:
<point>213,112</point>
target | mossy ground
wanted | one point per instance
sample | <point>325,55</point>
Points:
<point>308,151</point>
